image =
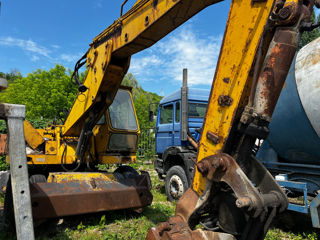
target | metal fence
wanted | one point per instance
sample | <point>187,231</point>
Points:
<point>147,145</point>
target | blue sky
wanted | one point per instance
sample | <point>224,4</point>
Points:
<point>38,34</point>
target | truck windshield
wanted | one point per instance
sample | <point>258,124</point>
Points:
<point>121,112</point>
<point>197,110</point>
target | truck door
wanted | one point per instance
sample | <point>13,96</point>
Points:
<point>164,129</point>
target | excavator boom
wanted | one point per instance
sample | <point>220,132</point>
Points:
<point>109,55</point>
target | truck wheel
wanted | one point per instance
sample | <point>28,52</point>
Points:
<point>176,183</point>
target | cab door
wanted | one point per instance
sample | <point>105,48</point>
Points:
<point>164,129</point>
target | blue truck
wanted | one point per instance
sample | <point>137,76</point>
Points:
<point>179,120</point>
<point>291,152</point>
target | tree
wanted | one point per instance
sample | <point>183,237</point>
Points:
<point>142,100</point>
<point>130,81</point>
<point>307,37</point>
<point>45,93</point>
<point>12,76</point>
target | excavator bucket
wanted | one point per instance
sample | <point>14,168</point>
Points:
<point>79,193</point>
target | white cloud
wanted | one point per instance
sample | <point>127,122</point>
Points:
<point>38,52</point>
<point>145,64</point>
<point>34,58</point>
<point>184,49</point>
<point>55,46</point>
<point>70,58</point>
<point>26,45</point>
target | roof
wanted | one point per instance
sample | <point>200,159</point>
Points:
<point>193,94</point>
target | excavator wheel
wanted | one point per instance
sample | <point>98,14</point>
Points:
<point>126,172</point>
<point>37,178</point>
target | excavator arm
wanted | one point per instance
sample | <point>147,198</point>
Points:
<point>232,195</point>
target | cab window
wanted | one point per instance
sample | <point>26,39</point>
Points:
<point>121,112</point>
<point>166,114</point>
<point>197,110</point>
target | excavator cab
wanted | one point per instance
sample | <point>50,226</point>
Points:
<point>119,123</point>
<point>114,139</point>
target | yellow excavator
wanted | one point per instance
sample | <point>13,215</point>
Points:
<point>232,195</point>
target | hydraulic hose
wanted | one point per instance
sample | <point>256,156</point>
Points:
<point>62,164</point>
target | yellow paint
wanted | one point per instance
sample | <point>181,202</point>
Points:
<point>53,158</point>
<point>244,29</point>
<point>133,22</point>
<point>96,59</point>
<point>113,159</point>
<point>32,135</point>
<point>51,147</point>
<point>61,177</point>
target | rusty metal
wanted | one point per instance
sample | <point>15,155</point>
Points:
<point>225,100</point>
<point>191,141</point>
<point>176,229</point>
<point>223,168</point>
<point>52,199</point>
<point>3,144</point>
<point>214,138</point>
<point>282,49</point>
<point>245,213</point>
<point>285,12</point>
<point>281,52</point>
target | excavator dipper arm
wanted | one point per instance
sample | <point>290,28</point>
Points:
<point>233,196</point>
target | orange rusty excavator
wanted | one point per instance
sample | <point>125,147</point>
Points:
<point>232,195</point>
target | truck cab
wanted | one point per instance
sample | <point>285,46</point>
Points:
<point>175,156</point>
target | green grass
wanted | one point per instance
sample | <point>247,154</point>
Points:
<point>276,234</point>
<point>1,198</point>
<point>126,224</point>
